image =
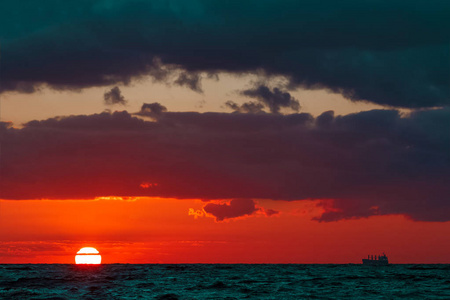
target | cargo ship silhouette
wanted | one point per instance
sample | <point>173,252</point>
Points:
<point>373,260</point>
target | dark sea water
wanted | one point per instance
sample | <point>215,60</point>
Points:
<point>123,281</point>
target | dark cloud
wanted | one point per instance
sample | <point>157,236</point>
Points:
<point>386,52</point>
<point>325,119</point>
<point>114,96</point>
<point>236,208</point>
<point>369,163</point>
<point>5,125</point>
<point>153,110</point>
<point>247,107</point>
<point>192,81</point>
<point>274,99</point>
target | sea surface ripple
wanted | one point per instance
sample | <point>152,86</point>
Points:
<point>219,281</point>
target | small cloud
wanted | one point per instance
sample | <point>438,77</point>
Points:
<point>250,107</point>
<point>325,119</point>
<point>147,185</point>
<point>270,212</point>
<point>236,208</point>
<point>274,99</point>
<point>114,96</point>
<point>153,110</point>
<point>191,80</point>
<point>5,125</point>
<point>214,76</point>
<point>196,213</point>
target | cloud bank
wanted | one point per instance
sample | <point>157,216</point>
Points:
<point>368,163</point>
<point>387,52</point>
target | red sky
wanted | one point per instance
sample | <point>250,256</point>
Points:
<point>157,230</point>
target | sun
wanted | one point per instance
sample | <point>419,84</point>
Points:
<point>88,256</point>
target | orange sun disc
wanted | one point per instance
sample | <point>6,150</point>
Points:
<point>88,256</point>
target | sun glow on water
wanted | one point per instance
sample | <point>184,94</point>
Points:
<point>88,256</point>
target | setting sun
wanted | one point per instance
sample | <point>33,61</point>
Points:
<point>89,256</point>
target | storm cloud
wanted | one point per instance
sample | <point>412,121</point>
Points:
<point>377,162</point>
<point>387,52</point>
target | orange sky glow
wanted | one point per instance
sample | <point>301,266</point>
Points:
<point>158,230</point>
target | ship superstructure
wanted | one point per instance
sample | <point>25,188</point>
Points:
<point>374,260</point>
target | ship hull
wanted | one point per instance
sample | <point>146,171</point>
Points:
<point>371,262</point>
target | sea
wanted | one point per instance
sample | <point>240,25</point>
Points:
<point>224,281</point>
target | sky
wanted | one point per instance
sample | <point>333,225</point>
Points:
<point>225,131</point>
